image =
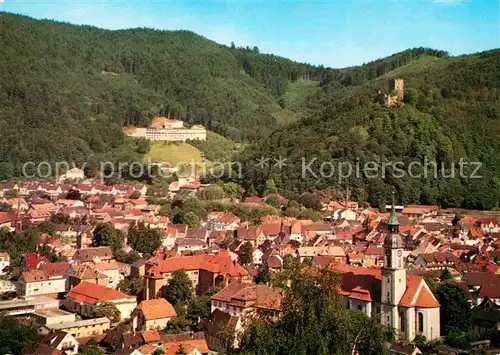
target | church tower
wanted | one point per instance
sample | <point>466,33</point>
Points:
<point>393,272</point>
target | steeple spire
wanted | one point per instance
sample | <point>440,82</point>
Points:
<point>393,220</point>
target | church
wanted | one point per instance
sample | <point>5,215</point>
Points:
<point>403,301</point>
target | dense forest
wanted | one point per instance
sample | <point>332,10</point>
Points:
<point>66,91</point>
<point>450,113</point>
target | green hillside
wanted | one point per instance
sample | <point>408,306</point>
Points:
<point>67,90</point>
<point>451,111</point>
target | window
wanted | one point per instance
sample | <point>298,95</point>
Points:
<point>402,321</point>
<point>420,322</point>
<point>360,308</point>
<point>348,304</point>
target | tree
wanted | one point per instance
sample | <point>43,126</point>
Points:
<point>16,335</point>
<point>213,192</point>
<point>74,194</point>
<point>179,289</point>
<point>313,321</point>
<point>263,276</point>
<point>446,275</point>
<point>11,194</point>
<point>192,220</point>
<point>135,195</point>
<point>273,201</point>
<point>131,287</point>
<point>144,239</point>
<point>105,234</point>
<point>270,187</point>
<point>91,348</point>
<point>456,219</point>
<point>107,309</point>
<point>454,310</point>
<point>245,255</point>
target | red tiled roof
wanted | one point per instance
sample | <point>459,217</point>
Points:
<point>92,293</point>
<point>426,299</point>
<point>221,264</point>
<point>157,309</point>
<point>32,260</point>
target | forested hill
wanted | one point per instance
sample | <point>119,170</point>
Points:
<point>451,111</point>
<point>67,90</point>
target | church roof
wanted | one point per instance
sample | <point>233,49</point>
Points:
<point>364,284</point>
<point>417,294</point>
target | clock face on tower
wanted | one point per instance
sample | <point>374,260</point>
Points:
<point>400,252</point>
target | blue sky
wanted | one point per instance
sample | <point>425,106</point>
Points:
<point>333,33</point>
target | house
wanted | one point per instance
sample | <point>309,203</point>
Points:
<point>32,261</point>
<point>437,261</point>
<point>80,328</point>
<point>37,213</point>
<point>153,314</point>
<point>6,220</point>
<point>96,255</point>
<point>78,273</point>
<point>111,270</point>
<point>344,213</point>
<point>205,271</point>
<point>57,343</point>
<point>254,235</point>
<point>138,269</point>
<point>257,256</point>
<point>218,323</point>
<point>238,298</point>
<point>4,263</point>
<point>85,296</point>
<point>188,245</point>
<point>35,283</point>
<point>198,233</point>
<point>189,339</point>
<point>224,222</point>
<point>230,305</point>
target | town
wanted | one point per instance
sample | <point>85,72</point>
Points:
<point>116,268</point>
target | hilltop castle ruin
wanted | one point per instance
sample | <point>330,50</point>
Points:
<point>395,93</point>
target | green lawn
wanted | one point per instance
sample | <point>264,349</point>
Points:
<point>174,153</point>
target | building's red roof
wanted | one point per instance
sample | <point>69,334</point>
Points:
<point>32,260</point>
<point>221,264</point>
<point>157,309</point>
<point>86,292</point>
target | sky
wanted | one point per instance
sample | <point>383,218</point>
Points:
<point>335,33</point>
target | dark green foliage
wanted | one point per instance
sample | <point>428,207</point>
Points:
<point>74,195</point>
<point>144,239</point>
<point>107,309</point>
<point>263,276</point>
<point>455,311</point>
<point>83,84</point>
<point>455,116</point>
<point>105,234</point>
<point>131,286</point>
<point>90,348</point>
<point>16,335</point>
<point>192,220</point>
<point>179,289</point>
<point>313,321</point>
<point>214,192</point>
<point>446,275</point>
<point>245,254</point>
